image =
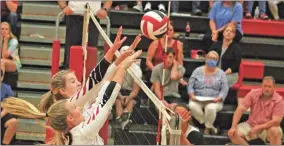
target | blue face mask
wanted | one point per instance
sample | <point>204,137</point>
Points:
<point>212,63</point>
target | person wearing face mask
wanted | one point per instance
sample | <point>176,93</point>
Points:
<point>230,54</point>
<point>207,81</point>
<point>267,108</point>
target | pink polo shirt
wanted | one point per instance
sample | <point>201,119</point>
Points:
<point>262,111</point>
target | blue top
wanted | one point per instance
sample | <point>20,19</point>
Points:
<point>208,85</point>
<point>6,91</point>
<point>224,15</point>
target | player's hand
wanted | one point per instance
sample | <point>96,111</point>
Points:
<point>118,41</point>
<point>67,11</point>
<point>130,59</point>
<point>102,13</point>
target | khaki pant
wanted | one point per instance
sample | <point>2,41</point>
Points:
<point>244,128</point>
<point>210,111</point>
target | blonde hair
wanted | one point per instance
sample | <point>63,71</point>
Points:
<point>56,114</point>
<point>12,36</point>
<point>233,26</point>
<point>212,52</point>
<point>57,83</point>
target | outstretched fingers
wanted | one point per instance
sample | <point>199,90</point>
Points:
<point>135,42</point>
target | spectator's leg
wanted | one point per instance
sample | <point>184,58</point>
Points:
<point>93,34</point>
<point>196,111</point>
<point>274,9</point>
<point>11,127</point>
<point>207,41</point>
<point>239,137</point>
<point>138,6</point>
<point>74,27</point>
<point>13,20</point>
<point>262,10</point>
<point>8,65</point>
<point>249,6</point>
<point>129,106</point>
<point>211,110</point>
<point>175,6</point>
<point>274,135</point>
<point>196,8</point>
<point>232,79</point>
<point>118,109</point>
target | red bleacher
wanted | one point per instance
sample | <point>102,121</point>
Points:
<point>263,27</point>
<point>254,71</point>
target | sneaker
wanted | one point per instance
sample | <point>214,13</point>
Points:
<point>117,8</point>
<point>138,8</point>
<point>248,15</point>
<point>126,124</point>
<point>198,13</point>
<point>263,16</point>
<point>125,116</point>
<point>147,7</point>
<point>162,8</point>
<point>118,119</point>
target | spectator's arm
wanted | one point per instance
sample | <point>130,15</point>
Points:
<point>107,4</point>
<point>238,56</point>
<point>175,75</point>
<point>157,90</point>
<point>224,86</point>
<point>191,82</point>
<point>134,91</point>
<point>212,17</point>
<point>180,53</point>
<point>237,115</point>
<point>150,54</point>
<point>12,6</point>
<point>62,4</point>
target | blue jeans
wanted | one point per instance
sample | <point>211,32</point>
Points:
<point>175,5</point>
<point>261,6</point>
<point>195,6</point>
<point>12,19</point>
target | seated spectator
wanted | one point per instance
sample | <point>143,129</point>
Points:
<point>262,10</point>
<point>160,4</point>
<point>9,13</point>
<point>138,6</point>
<point>221,14</point>
<point>128,95</point>
<point>10,61</point>
<point>156,49</point>
<point>230,54</point>
<point>274,8</point>
<point>189,134</point>
<point>173,73</point>
<point>9,123</point>
<point>267,108</point>
<point>207,81</point>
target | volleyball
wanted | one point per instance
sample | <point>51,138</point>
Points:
<point>154,24</point>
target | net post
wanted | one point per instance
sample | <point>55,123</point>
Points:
<point>175,130</point>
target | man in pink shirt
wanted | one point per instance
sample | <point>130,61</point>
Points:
<point>267,110</point>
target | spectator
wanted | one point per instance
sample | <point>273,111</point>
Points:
<point>74,23</point>
<point>138,6</point>
<point>230,54</point>
<point>10,61</point>
<point>189,134</point>
<point>9,13</point>
<point>161,5</point>
<point>207,81</point>
<point>195,7</point>
<point>128,95</point>
<point>267,108</point>
<point>173,73</point>
<point>274,8</point>
<point>9,122</point>
<point>156,49</point>
<point>221,14</point>
<point>262,10</point>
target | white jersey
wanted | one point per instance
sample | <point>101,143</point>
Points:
<point>78,7</point>
<point>97,97</point>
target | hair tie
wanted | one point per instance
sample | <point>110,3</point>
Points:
<point>46,115</point>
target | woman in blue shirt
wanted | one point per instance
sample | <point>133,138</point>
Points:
<point>207,81</point>
<point>221,14</point>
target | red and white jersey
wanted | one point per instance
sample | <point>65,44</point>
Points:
<point>87,132</point>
